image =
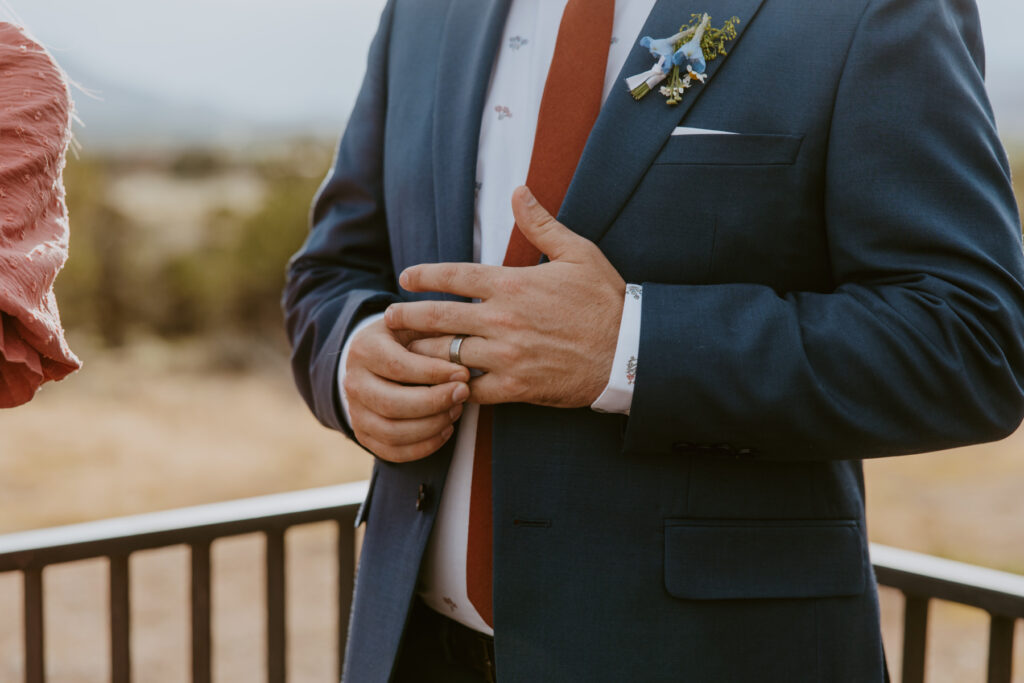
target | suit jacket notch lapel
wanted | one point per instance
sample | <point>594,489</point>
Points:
<point>468,50</point>
<point>628,134</point>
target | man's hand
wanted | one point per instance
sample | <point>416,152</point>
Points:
<point>402,405</point>
<point>543,334</point>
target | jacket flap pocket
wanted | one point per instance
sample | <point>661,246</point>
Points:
<point>741,559</point>
<point>730,150</point>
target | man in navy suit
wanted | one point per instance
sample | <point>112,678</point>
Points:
<point>814,258</point>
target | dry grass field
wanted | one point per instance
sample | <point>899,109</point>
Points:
<point>158,426</point>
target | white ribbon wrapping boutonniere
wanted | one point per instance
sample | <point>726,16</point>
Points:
<point>682,58</point>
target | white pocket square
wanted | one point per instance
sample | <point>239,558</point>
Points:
<point>686,130</point>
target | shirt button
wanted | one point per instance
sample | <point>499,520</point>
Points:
<point>421,497</point>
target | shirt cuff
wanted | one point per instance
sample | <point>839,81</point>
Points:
<point>343,362</point>
<point>618,394</point>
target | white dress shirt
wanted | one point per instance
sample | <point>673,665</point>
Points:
<point>503,161</point>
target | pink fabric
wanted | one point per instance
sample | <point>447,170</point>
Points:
<point>35,130</point>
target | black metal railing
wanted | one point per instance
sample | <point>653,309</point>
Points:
<point>921,578</point>
<point>196,527</point>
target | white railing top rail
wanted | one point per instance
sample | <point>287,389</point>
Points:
<point>156,529</point>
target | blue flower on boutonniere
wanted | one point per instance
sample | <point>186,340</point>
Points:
<point>664,48</point>
<point>691,53</point>
<point>682,58</point>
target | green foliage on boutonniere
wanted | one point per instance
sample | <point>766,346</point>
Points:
<point>714,40</point>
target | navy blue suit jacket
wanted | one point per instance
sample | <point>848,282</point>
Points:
<point>841,280</point>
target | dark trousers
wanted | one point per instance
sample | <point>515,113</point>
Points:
<point>430,653</point>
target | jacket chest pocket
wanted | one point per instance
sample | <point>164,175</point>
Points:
<point>703,202</point>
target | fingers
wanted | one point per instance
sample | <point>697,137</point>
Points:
<point>478,353</point>
<point>437,347</point>
<point>392,413</point>
<point>384,355</point>
<point>540,227</point>
<point>436,317</point>
<point>408,453</point>
<point>399,402</point>
<point>398,433</point>
<point>401,423</point>
<point>397,363</point>
<point>470,280</point>
<point>440,347</point>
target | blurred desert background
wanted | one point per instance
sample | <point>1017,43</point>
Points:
<point>188,192</point>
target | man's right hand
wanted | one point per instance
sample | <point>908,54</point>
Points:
<point>402,405</point>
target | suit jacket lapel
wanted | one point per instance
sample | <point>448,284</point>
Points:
<point>628,134</point>
<point>468,50</point>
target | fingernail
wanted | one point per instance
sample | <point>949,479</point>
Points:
<point>530,199</point>
<point>455,412</point>
<point>447,432</point>
<point>389,314</point>
<point>403,279</point>
<point>458,376</point>
<point>460,394</point>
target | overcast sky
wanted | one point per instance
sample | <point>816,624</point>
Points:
<point>282,60</point>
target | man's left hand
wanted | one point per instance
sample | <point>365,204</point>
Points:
<point>542,334</point>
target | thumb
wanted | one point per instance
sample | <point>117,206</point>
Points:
<point>541,228</point>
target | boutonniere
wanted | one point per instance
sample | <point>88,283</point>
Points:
<point>682,58</point>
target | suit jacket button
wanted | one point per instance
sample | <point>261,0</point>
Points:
<point>421,497</point>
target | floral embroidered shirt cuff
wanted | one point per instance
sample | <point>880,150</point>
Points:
<point>343,361</point>
<point>618,394</point>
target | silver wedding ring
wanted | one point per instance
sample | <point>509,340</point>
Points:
<point>455,348</point>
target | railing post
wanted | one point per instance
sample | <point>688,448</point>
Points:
<point>35,660</point>
<point>276,638</point>
<point>1000,649</point>
<point>120,620</point>
<point>915,638</point>
<point>346,581</point>
<point>201,621</point>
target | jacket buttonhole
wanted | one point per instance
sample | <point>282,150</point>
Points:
<point>532,523</point>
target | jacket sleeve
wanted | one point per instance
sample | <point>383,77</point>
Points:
<point>344,271</point>
<point>920,346</point>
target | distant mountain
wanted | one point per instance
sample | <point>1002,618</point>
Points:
<point>117,117</point>
<point>1008,104</point>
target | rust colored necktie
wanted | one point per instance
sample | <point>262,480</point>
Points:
<point>568,109</point>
